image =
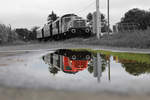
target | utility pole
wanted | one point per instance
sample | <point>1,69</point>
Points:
<point>98,19</point>
<point>10,34</point>
<point>99,67</point>
<point>109,70</point>
<point>108,16</point>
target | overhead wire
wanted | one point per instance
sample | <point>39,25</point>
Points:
<point>85,8</point>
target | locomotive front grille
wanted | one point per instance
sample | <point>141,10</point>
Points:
<point>79,23</point>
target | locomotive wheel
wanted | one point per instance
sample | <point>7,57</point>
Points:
<point>57,37</point>
<point>73,30</point>
<point>73,57</point>
<point>88,57</point>
<point>87,30</point>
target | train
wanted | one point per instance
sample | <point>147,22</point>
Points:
<point>67,26</point>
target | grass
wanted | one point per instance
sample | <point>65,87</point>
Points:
<point>141,58</point>
<point>139,39</point>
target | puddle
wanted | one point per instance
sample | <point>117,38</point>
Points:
<point>84,69</point>
<point>103,69</point>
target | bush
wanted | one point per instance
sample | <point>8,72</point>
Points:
<point>139,39</point>
<point>25,34</point>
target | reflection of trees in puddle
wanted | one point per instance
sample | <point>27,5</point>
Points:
<point>133,67</point>
<point>136,68</point>
<point>53,70</point>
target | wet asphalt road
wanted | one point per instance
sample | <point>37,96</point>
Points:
<point>55,45</point>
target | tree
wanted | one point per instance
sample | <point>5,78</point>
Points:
<point>52,17</point>
<point>89,17</point>
<point>23,33</point>
<point>53,70</point>
<point>138,17</point>
<point>7,34</point>
<point>135,68</point>
<point>33,32</point>
<point>103,21</point>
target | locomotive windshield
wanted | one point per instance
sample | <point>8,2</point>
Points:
<point>79,23</point>
<point>66,20</point>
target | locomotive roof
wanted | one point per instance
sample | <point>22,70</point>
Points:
<point>56,20</point>
<point>40,28</point>
<point>69,72</point>
<point>67,15</point>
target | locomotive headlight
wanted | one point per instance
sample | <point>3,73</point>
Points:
<point>71,61</point>
<point>87,30</point>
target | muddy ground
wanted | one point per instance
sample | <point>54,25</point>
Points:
<point>16,55</point>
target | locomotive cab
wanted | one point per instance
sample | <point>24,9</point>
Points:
<point>74,66</point>
<point>78,27</point>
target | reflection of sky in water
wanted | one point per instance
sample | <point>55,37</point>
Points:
<point>40,66</point>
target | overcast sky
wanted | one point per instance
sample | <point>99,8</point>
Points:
<point>29,13</point>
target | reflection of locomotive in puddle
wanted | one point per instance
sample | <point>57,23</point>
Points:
<point>68,61</point>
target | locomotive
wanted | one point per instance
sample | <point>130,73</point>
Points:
<point>69,25</point>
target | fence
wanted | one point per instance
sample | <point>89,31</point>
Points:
<point>125,27</point>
